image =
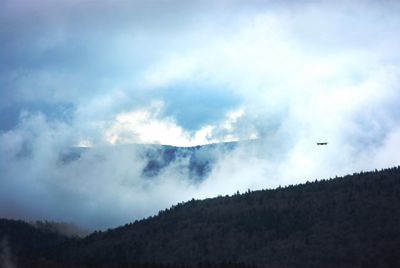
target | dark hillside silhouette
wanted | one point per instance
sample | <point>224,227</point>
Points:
<point>352,221</point>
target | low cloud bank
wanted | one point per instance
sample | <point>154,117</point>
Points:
<point>106,186</point>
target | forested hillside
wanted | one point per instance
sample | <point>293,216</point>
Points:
<point>352,221</point>
<point>25,244</point>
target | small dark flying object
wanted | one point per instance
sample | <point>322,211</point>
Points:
<point>322,143</point>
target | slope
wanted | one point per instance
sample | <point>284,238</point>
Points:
<point>351,221</point>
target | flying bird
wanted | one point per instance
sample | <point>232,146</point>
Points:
<point>322,143</point>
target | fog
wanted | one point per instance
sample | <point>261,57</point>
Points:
<point>107,74</point>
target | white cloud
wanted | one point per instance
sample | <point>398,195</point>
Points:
<point>146,125</point>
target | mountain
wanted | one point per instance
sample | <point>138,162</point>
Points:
<point>351,221</point>
<point>197,160</point>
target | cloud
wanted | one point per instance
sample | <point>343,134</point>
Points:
<point>143,126</point>
<point>104,74</point>
<point>147,125</point>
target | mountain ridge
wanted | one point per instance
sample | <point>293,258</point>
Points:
<point>199,159</point>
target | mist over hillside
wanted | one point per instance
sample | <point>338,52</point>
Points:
<point>349,221</point>
<point>101,187</point>
<point>197,161</point>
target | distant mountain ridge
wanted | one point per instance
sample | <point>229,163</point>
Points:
<point>199,159</point>
<point>352,221</point>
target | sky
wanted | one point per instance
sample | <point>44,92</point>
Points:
<point>104,74</point>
